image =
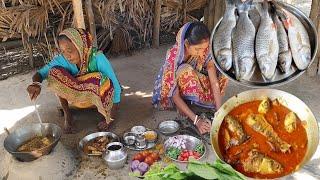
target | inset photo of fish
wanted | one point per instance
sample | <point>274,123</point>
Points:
<point>263,43</point>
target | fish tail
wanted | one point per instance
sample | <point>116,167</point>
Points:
<point>244,6</point>
<point>230,2</point>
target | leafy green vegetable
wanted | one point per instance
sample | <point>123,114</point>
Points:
<point>199,148</point>
<point>203,170</point>
<point>173,152</point>
<point>217,170</point>
<point>169,172</point>
<point>195,170</point>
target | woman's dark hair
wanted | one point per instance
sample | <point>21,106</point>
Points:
<point>196,33</point>
<point>62,37</point>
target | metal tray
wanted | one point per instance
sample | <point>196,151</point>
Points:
<point>256,80</point>
<point>191,143</point>
<point>92,136</point>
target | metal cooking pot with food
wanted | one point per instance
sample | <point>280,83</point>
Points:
<point>290,101</point>
<point>15,139</point>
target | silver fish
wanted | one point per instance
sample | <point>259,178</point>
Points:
<point>298,38</point>
<point>243,43</point>
<point>255,17</point>
<point>222,39</point>
<point>267,47</point>
<point>285,57</point>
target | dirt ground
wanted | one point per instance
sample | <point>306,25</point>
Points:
<point>136,74</point>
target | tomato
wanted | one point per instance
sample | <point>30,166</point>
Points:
<point>184,151</point>
<point>149,160</point>
<point>196,153</point>
<point>145,153</point>
<point>155,156</point>
<point>138,157</point>
<point>184,155</point>
<point>190,153</point>
<point>180,158</point>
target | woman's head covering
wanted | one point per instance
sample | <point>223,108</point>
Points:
<point>82,40</point>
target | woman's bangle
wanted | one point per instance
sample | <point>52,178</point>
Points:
<point>195,120</point>
<point>36,83</point>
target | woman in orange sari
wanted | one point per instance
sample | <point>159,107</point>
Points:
<point>80,75</point>
<point>189,74</point>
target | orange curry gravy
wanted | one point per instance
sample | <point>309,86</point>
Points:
<point>275,116</point>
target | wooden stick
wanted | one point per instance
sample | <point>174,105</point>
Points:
<point>156,24</point>
<point>78,14</point>
<point>92,24</point>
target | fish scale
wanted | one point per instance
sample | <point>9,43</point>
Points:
<point>267,47</point>
<point>243,44</point>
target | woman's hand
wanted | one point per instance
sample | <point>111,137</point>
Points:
<point>34,90</point>
<point>203,125</point>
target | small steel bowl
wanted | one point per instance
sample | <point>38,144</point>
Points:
<point>151,131</point>
<point>92,136</point>
<point>138,129</point>
<point>129,138</point>
<point>168,127</point>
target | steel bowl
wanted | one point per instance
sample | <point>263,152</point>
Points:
<point>256,80</point>
<point>92,136</point>
<point>191,143</point>
<point>129,138</point>
<point>15,139</point>
<point>151,141</point>
<point>138,129</point>
<point>290,101</point>
<point>168,127</point>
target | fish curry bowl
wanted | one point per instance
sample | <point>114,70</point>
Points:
<point>235,66</point>
<point>264,133</point>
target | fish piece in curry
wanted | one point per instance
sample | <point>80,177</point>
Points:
<point>238,135</point>
<point>258,123</point>
<point>264,106</point>
<point>260,163</point>
<point>290,122</point>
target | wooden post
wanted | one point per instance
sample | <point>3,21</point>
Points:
<point>184,8</point>
<point>315,17</point>
<point>156,24</point>
<point>206,14</point>
<point>220,7</point>
<point>30,53</point>
<point>92,24</point>
<point>78,14</point>
<point>211,14</point>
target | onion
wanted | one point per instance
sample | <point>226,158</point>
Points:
<point>143,168</point>
<point>134,165</point>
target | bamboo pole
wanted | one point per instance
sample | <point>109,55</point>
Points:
<point>92,24</point>
<point>156,24</point>
<point>315,17</point>
<point>78,14</point>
